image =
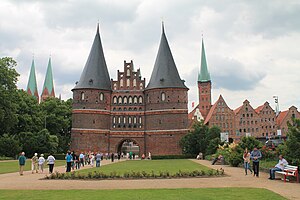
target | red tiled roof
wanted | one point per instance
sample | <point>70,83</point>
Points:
<point>237,109</point>
<point>281,116</point>
<point>209,115</point>
<point>259,108</point>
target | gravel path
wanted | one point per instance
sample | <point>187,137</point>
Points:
<point>235,178</point>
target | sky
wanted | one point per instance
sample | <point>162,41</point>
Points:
<point>252,47</point>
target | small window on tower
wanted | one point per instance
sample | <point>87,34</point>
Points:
<point>128,83</point>
<point>82,96</point>
<point>101,96</point>
<point>163,96</point>
<point>141,86</point>
<point>121,83</point>
<point>128,72</point>
<point>134,82</point>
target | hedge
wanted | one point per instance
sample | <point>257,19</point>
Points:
<point>60,156</point>
<point>185,156</point>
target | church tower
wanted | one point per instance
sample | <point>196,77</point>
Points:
<point>31,85</point>
<point>166,104</point>
<point>204,86</point>
<point>91,103</point>
<point>48,88</point>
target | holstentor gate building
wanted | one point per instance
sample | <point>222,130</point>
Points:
<point>108,112</point>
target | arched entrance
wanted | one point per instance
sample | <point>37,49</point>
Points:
<point>129,145</point>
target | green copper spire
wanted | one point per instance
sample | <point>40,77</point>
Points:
<point>48,89</point>
<point>32,86</point>
<point>204,75</point>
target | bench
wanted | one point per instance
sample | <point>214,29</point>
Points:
<point>289,170</point>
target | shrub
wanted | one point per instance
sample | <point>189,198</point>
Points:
<point>185,156</point>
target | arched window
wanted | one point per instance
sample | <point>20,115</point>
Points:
<point>148,98</point>
<point>120,100</point>
<point>114,120</point>
<point>134,82</point>
<point>82,96</point>
<point>121,82</point>
<point>128,83</point>
<point>129,120</point>
<point>119,120</point>
<point>125,100</point>
<point>115,86</point>
<point>135,99</point>
<point>115,99</point>
<point>140,99</point>
<point>124,120</point>
<point>128,72</point>
<point>163,96</point>
<point>141,86</point>
<point>130,99</point>
<point>134,120</point>
<point>101,96</point>
<point>140,120</point>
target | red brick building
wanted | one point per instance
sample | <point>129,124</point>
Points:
<point>261,122</point>
<point>107,113</point>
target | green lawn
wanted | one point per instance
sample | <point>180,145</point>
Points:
<point>172,166</point>
<point>13,166</point>
<point>145,194</point>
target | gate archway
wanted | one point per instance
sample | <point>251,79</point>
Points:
<point>129,145</point>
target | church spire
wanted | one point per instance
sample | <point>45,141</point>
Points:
<point>95,74</point>
<point>204,75</point>
<point>165,74</point>
<point>48,88</point>
<point>32,86</point>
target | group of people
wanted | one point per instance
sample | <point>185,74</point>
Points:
<point>255,156</point>
<point>37,163</point>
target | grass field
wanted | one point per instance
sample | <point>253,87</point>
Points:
<point>13,166</point>
<point>172,166</point>
<point>166,194</point>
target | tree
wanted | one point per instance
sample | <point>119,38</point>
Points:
<point>249,143</point>
<point>9,146</point>
<point>200,138</point>
<point>293,142</point>
<point>28,114</point>
<point>8,88</point>
<point>57,117</point>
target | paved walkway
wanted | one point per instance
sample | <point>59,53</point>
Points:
<point>235,178</point>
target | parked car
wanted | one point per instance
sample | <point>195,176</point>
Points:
<point>274,143</point>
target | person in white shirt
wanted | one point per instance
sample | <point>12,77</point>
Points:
<point>51,161</point>
<point>279,167</point>
<point>41,162</point>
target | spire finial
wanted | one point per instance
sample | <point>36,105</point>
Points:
<point>163,26</point>
<point>98,26</point>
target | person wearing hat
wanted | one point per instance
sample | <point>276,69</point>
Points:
<point>22,160</point>
<point>34,163</point>
<point>41,162</point>
<point>51,161</point>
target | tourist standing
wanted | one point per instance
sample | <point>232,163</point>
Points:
<point>149,155</point>
<point>119,156</point>
<point>34,163</point>
<point>92,158</point>
<point>81,159</point>
<point>41,162</point>
<point>279,167</point>
<point>255,156</point>
<point>51,161</point>
<point>112,157</point>
<point>69,160</point>
<point>22,160</point>
<point>98,159</point>
<point>246,157</point>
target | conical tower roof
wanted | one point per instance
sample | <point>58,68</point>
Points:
<point>95,74</point>
<point>204,75</point>
<point>31,85</point>
<point>165,74</point>
<point>48,88</point>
